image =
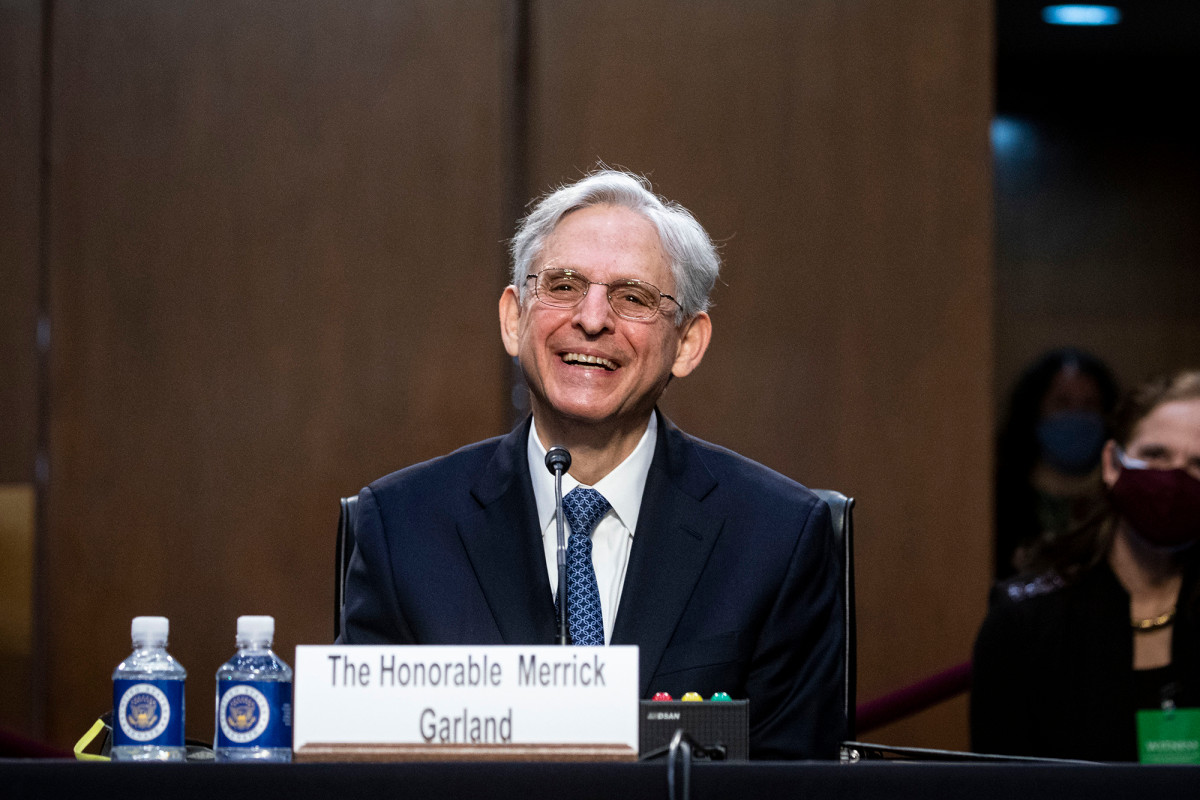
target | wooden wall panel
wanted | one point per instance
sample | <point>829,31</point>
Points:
<point>840,152</point>
<point>249,203</point>
<point>20,136</point>
<point>253,206</point>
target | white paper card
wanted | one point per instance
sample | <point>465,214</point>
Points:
<point>393,694</point>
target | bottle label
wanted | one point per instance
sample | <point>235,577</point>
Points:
<point>254,714</point>
<point>148,712</point>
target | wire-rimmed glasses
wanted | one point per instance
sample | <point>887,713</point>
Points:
<point>628,297</point>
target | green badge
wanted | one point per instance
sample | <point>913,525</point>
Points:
<point>1169,737</point>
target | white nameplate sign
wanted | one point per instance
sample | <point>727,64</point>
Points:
<point>380,702</point>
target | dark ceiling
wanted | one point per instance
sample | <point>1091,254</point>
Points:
<point>1144,66</point>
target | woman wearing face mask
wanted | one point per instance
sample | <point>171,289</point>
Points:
<point>1048,452</point>
<point>1108,620</point>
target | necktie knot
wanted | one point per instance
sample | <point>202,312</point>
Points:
<point>583,509</point>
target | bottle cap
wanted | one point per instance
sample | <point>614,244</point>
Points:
<point>149,629</point>
<point>256,628</point>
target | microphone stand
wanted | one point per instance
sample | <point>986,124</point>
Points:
<point>558,460</point>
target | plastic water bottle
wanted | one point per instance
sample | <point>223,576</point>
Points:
<point>148,709</point>
<point>254,698</point>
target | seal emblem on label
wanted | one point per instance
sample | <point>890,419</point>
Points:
<point>143,712</point>
<point>244,713</point>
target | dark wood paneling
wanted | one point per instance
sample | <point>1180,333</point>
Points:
<point>254,208</point>
<point>20,113</point>
<point>249,205</point>
<point>20,108</point>
<point>840,152</point>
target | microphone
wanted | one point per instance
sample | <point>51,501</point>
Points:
<point>558,461</point>
<point>558,458</point>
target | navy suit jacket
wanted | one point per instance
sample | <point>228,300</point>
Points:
<point>731,585</point>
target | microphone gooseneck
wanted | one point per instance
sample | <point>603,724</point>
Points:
<point>558,461</point>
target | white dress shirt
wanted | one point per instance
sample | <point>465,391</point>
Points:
<point>613,537</point>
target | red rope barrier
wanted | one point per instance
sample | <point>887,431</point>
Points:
<point>18,745</point>
<point>909,700</point>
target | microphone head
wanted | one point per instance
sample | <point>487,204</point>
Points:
<point>558,458</point>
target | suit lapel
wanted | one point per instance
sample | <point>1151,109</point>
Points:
<point>505,547</point>
<point>672,543</point>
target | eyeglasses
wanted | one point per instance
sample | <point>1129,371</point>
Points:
<point>629,298</point>
<point>1127,461</point>
<point>1156,461</point>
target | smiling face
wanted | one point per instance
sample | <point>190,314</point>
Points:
<point>586,366</point>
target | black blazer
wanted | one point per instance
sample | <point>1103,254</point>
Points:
<point>731,584</point>
<point>1053,673</point>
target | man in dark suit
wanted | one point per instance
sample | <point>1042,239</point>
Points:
<point>719,569</point>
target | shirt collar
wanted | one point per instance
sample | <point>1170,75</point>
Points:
<point>622,487</point>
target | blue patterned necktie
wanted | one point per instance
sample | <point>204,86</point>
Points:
<point>583,509</point>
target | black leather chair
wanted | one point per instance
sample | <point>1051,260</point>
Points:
<point>839,504</point>
<point>347,520</point>
<point>842,508</point>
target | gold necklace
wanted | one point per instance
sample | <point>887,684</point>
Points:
<point>1153,623</point>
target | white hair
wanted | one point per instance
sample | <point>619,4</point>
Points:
<point>694,260</point>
